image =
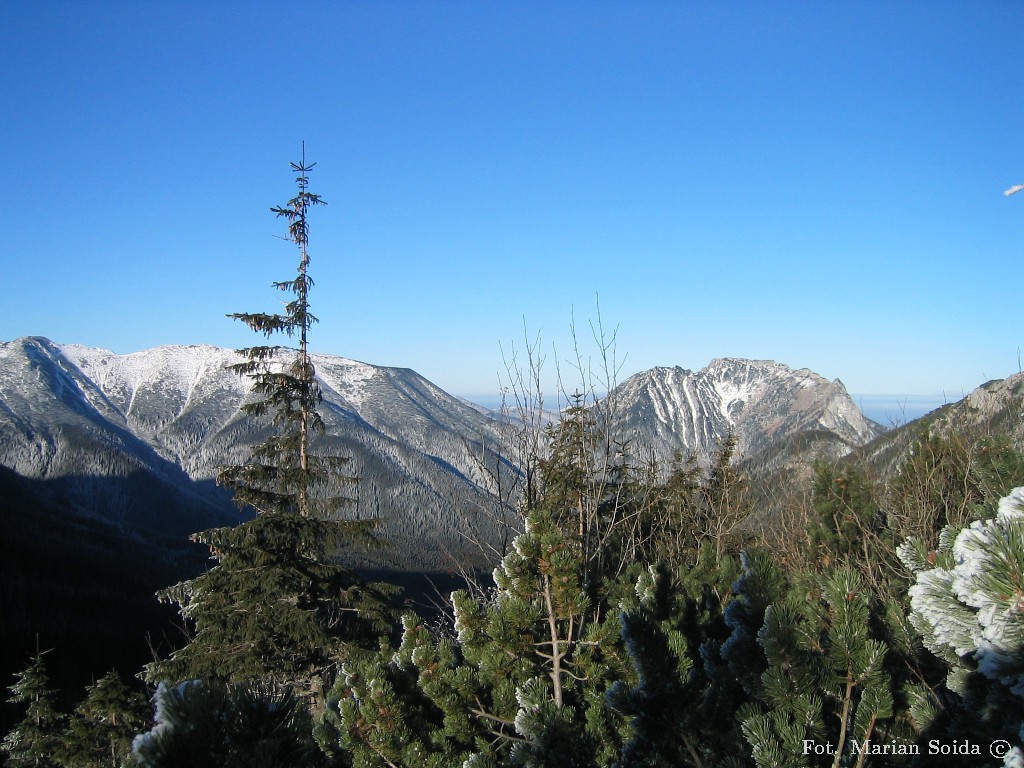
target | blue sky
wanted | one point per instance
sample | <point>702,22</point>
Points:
<point>817,183</point>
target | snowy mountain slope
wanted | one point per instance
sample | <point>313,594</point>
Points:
<point>172,413</point>
<point>181,397</point>
<point>56,423</point>
<point>763,403</point>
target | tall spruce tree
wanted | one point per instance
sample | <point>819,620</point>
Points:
<point>35,741</point>
<point>279,608</point>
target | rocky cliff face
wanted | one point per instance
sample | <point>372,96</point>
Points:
<point>766,405</point>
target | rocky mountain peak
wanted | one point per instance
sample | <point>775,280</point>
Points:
<point>762,402</point>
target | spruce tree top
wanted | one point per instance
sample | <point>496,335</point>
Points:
<point>36,739</point>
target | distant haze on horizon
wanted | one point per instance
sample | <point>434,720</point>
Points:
<point>813,183</point>
<point>887,410</point>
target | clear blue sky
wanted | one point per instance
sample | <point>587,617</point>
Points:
<point>814,182</point>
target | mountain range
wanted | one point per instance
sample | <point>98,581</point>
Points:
<point>152,428</point>
<point>107,464</point>
<point>136,440</point>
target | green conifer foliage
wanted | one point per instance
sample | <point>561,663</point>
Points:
<point>826,679</point>
<point>670,523</point>
<point>846,514</point>
<point>698,513</point>
<point>35,741</point>
<point>521,682</point>
<point>279,607</point>
<point>739,658</point>
<point>664,702</point>
<point>725,502</point>
<point>566,650</point>
<point>102,727</point>
<point>616,510</point>
<point>398,708</point>
<point>673,636</point>
<point>850,529</point>
<point>579,485</point>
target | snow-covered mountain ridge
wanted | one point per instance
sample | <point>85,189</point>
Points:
<point>170,393</point>
<point>170,417</point>
<point>762,403</point>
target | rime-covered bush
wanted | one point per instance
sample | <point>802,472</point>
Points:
<point>968,604</point>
